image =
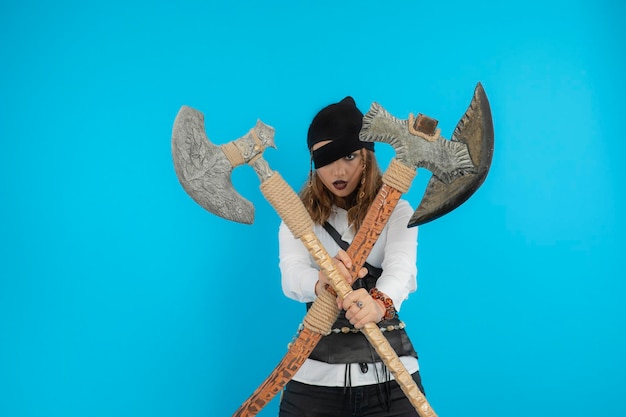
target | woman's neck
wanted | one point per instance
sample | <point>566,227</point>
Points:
<point>347,202</point>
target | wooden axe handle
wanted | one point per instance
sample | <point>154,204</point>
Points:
<point>299,350</point>
<point>396,180</point>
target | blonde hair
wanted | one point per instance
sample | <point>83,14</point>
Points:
<point>319,200</point>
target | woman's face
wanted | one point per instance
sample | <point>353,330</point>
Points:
<point>343,176</point>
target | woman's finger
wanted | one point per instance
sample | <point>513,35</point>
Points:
<point>342,255</point>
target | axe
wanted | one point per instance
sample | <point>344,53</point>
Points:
<point>483,135</point>
<point>188,138</point>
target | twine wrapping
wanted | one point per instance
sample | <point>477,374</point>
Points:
<point>322,314</point>
<point>232,154</point>
<point>288,205</point>
<point>399,176</point>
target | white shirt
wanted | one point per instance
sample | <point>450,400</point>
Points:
<point>395,252</point>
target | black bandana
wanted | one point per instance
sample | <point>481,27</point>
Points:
<point>341,124</point>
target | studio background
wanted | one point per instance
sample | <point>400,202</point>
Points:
<point>120,296</point>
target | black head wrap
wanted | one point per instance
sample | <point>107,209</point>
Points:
<point>340,123</point>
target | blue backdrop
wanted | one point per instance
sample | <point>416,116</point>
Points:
<point>119,296</point>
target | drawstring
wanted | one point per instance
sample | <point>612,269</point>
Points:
<point>384,382</point>
<point>347,378</point>
<point>383,386</point>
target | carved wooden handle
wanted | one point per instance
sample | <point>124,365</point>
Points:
<point>298,352</point>
<point>373,225</point>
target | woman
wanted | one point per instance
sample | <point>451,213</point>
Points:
<point>344,376</point>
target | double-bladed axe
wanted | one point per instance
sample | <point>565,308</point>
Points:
<point>197,159</point>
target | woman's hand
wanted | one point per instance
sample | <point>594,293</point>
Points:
<point>343,263</point>
<point>361,308</point>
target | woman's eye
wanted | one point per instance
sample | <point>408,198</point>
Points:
<point>351,156</point>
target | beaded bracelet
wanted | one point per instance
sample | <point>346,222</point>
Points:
<point>390,310</point>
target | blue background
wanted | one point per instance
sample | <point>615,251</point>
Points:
<point>119,296</point>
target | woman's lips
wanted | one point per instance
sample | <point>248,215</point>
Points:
<point>340,185</point>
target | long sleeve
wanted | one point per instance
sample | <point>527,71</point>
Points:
<point>398,256</point>
<point>395,252</point>
<point>299,274</point>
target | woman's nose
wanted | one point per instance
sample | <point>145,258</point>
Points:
<point>338,168</point>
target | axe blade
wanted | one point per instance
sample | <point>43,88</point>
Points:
<point>204,171</point>
<point>475,129</point>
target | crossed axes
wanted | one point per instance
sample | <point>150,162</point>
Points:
<point>459,167</point>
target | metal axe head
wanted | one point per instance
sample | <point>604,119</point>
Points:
<point>459,165</point>
<point>204,169</point>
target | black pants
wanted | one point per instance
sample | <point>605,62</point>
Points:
<point>302,400</point>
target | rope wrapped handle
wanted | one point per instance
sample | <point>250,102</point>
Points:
<point>290,208</point>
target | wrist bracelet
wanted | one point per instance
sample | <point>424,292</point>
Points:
<point>390,310</point>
